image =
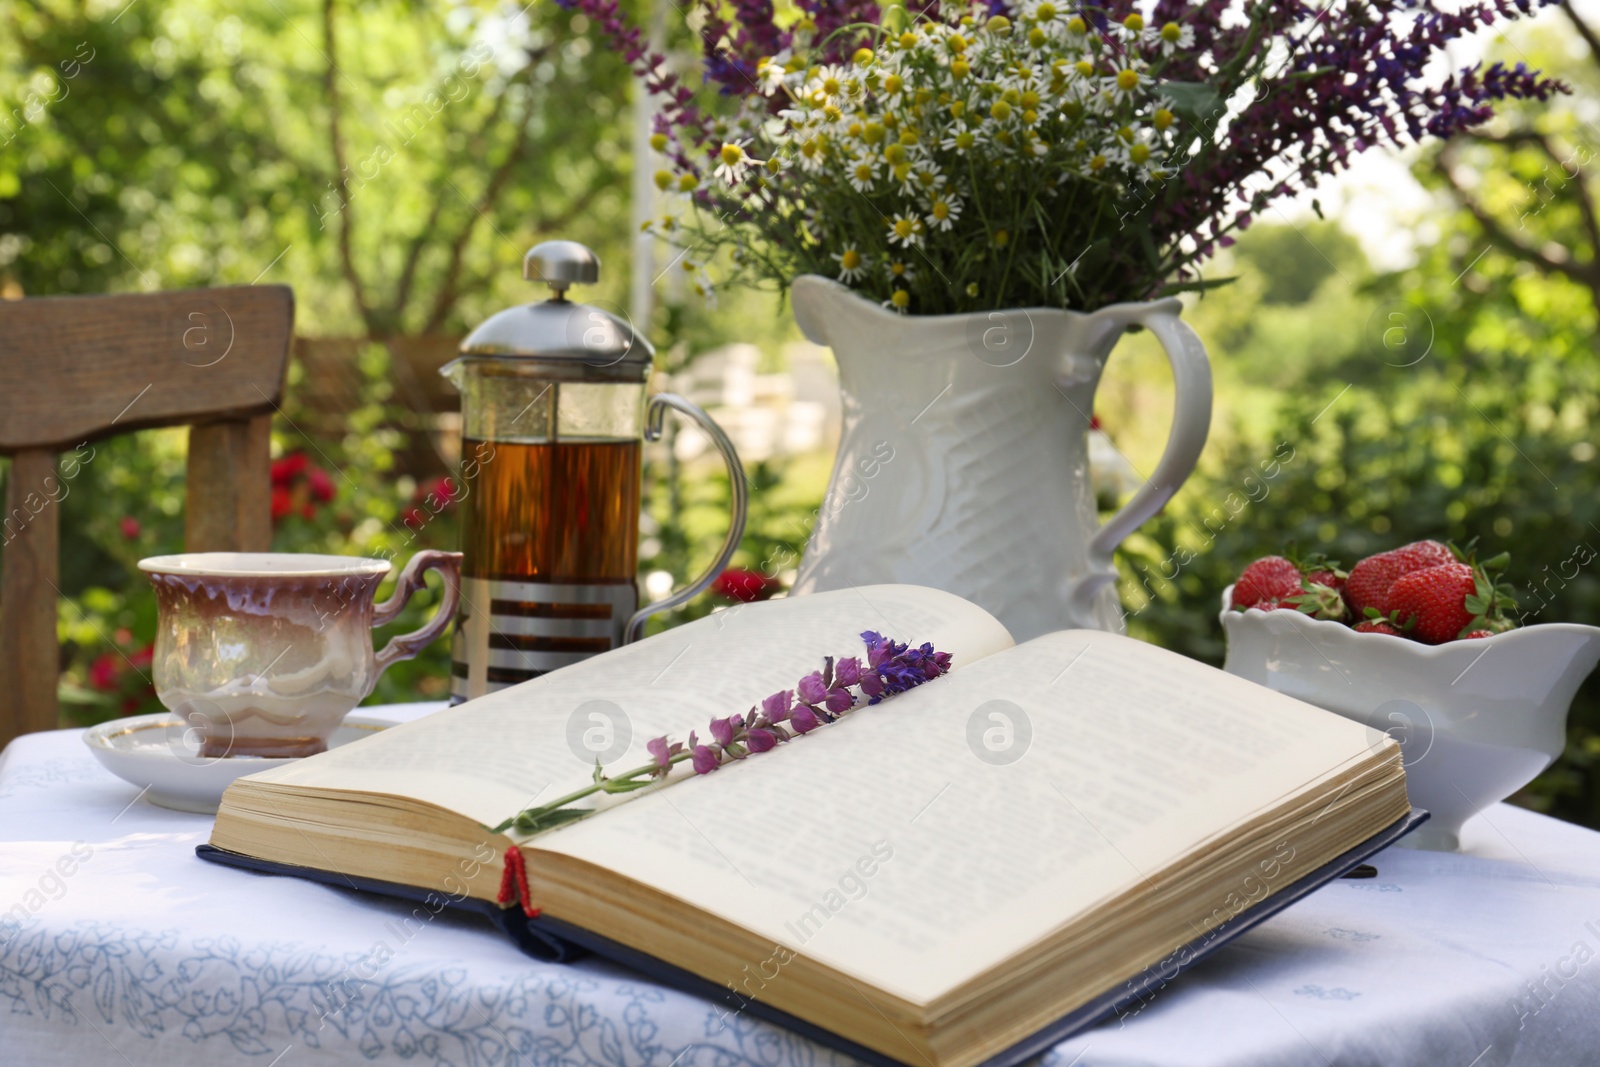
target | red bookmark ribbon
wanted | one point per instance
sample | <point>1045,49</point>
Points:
<point>514,883</point>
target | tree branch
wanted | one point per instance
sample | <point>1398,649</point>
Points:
<point>474,150</point>
<point>544,224</point>
<point>1570,177</point>
<point>445,297</point>
<point>1584,30</point>
<point>341,181</point>
<point>1584,274</point>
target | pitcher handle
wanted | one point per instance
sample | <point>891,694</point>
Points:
<point>655,418</point>
<point>411,579</point>
<point>1191,421</point>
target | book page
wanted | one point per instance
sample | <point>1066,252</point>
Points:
<point>494,756</point>
<point>920,841</point>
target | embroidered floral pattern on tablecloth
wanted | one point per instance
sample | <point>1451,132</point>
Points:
<point>255,999</point>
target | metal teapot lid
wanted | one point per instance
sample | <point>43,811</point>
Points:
<point>574,340</point>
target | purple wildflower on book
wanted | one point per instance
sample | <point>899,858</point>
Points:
<point>820,697</point>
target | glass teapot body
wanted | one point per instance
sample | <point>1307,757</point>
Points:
<point>550,533</point>
<point>553,422</point>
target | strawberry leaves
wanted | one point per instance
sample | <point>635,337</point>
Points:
<point>1489,600</point>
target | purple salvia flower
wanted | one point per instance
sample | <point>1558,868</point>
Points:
<point>879,650</point>
<point>739,736</point>
<point>812,689</point>
<point>776,707</point>
<point>705,760</point>
<point>722,730</point>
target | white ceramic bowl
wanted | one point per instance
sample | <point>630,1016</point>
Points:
<point>161,754</point>
<point>1476,720</point>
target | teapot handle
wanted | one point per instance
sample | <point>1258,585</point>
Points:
<point>1191,421</point>
<point>654,422</point>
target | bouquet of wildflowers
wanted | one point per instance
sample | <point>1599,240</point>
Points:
<point>1043,153</point>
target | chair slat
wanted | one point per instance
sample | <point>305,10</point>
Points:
<point>80,367</point>
<point>30,655</point>
<point>228,506</point>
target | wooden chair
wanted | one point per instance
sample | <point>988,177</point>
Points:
<point>74,369</point>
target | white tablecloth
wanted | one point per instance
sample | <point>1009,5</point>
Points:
<point>146,955</point>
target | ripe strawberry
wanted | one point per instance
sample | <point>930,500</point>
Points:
<point>1377,626</point>
<point>1439,604</point>
<point>1331,579</point>
<point>1477,633</point>
<point>1269,578</point>
<point>1370,580</point>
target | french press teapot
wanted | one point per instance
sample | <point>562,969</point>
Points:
<point>553,415</point>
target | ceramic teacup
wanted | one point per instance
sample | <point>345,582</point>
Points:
<point>263,653</point>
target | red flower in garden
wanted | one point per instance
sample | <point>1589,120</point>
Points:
<point>430,499</point>
<point>130,527</point>
<point>104,670</point>
<point>288,469</point>
<point>321,485</point>
<point>298,485</point>
<point>443,490</point>
<point>744,586</point>
<point>123,672</point>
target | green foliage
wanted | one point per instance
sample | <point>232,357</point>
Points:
<point>391,161</point>
<point>1292,262</point>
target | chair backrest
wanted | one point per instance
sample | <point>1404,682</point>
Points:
<point>74,369</point>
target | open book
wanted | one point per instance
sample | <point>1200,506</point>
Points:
<point>932,879</point>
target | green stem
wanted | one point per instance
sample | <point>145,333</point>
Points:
<point>605,785</point>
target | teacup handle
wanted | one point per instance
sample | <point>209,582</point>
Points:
<point>448,564</point>
<point>1191,421</point>
<point>654,423</point>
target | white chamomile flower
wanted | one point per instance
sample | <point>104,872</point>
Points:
<point>900,271</point>
<point>899,301</point>
<point>892,89</point>
<point>907,231</point>
<point>699,279</point>
<point>1095,164</point>
<point>1133,30</point>
<point>852,265</point>
<point>732,162</point>
<point>960,140</point>
<point>1125,85</point>
<point>1175,38</point>
<point>1019,76</point>
<point>771,71</point>
<point>835,83</point>
<point>863,174</point>
<point>810,154</point>
<point>943,212</point>
<point>1141,156</point>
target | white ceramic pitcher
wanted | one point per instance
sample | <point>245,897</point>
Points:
<point>964,460</point>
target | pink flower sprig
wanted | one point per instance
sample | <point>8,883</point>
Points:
<point>824,696</point>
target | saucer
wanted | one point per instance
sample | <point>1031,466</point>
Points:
<point>161,754</point>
